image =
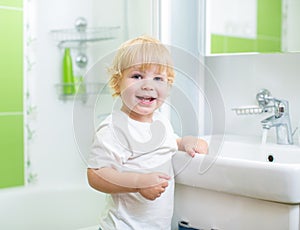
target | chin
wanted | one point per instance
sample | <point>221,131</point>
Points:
<point>145,112</point>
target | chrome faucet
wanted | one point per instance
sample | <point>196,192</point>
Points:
<point>281,118</point>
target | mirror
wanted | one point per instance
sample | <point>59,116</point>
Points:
<point>263,26</point>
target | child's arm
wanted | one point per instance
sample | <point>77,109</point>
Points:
<point>109,180</point>
<point>192,145</point>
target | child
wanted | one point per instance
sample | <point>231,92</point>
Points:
<point>133,147</point>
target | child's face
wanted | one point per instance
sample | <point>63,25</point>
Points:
<point>143,91</point>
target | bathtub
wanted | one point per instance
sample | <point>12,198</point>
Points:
<point>61,208</point>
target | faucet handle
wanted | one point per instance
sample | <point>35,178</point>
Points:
<point>263,97</point>
<point>281,107</point>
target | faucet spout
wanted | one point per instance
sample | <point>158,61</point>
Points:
<point>269,122</point>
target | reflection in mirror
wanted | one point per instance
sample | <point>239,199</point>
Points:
<point>264,26</point>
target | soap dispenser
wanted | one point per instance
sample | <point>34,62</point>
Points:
<point>68,78</point>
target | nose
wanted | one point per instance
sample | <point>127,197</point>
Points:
<point>147,85</point>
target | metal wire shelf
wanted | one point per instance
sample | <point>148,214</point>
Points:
<point>65,37</point>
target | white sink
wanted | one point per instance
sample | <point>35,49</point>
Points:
<point>243,167</point>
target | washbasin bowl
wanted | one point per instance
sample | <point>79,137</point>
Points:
<point>244,167</point>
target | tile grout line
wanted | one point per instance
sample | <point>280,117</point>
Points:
<point>11,8</point>
<point>11,114</point>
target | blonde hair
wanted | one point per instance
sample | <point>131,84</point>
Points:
<point>143,51</point>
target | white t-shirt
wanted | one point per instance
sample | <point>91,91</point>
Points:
<point>128,145</point>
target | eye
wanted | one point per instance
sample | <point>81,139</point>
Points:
<point>158,79</point>
<point>137,76</point>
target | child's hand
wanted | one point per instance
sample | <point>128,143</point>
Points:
<point>153,185</point>
<point>193,145</point>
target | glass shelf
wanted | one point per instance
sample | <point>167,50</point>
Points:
<point>77,38</point>
<point>65,37</point>
<point>80,91</point>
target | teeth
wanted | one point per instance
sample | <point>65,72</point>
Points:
<point>146,99</point>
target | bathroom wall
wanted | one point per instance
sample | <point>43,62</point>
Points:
<point>55,155</point>
<point>53,150</point>
<point>182,29</point>
<point>11,94</point>
<point>237,77</point>
<point>240,77</point>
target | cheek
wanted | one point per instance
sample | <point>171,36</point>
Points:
<point>163,91</point>
<point>125,87</point>
<point>128,92</point>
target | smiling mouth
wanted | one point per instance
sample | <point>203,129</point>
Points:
<point>146,99</point>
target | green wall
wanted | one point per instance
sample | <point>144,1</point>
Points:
<point>11,94</point>
<point>269,16</point>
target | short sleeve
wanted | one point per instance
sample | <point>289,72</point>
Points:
<point>104,150</point>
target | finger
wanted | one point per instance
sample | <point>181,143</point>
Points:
<point>164,185</point>
<point>191,152</point>
<point>201,150</point>
<point>164,176</point>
